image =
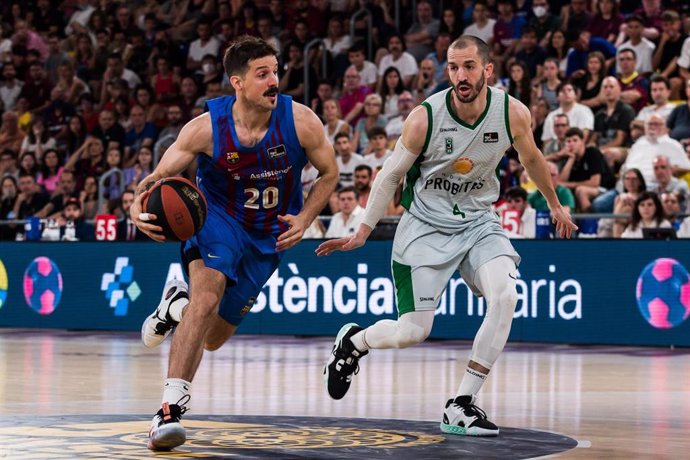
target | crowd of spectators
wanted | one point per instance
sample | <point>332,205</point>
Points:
<point>88,87</point>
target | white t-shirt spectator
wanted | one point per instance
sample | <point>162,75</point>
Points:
<point>650,110</point>
<point>347,170</point>
<point>580,116</point>
<point>340,46</point>
<point>369,73</point>
<point>376,163</point>
<point>197,51</point>
<point>486,33</point>
<point>340,228</point>
<point>684,58</point>
<point>643,152</point>
<point>644,51</point>
<point>406,64</point>
<point>637,233</point>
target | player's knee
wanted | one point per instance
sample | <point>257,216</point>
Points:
<point>205,304</point>
<point>410,334</point>
<point>213,344</point>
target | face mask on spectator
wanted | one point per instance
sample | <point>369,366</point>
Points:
<point>539,11</point>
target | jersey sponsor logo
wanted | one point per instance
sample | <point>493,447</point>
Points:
<point>275,174</point>
<point>490,138</point>
<point>232,157</point>
<point>454,188</point>
<point>276,152</point>
<point>463,165</point>
<point>448,130</point>
<point>426,299</point>
<point>449,145</point>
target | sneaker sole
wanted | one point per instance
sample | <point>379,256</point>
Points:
<point>168,437</point>
<point>152,341</point>
<point>462,431</point>
<point>341,333</point>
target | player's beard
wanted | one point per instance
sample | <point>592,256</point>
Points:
<point>473,93</point>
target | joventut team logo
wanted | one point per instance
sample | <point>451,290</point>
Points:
<point>120,287</point>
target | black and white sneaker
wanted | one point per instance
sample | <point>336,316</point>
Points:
<point>463,417</point>
<point>166,431</point>
<point>342,363</point>
<point>158,325</point>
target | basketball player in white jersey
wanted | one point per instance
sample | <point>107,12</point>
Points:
<point>449,225</point>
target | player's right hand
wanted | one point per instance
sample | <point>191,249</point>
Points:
<point>347,243</point>
<point>142,219</point>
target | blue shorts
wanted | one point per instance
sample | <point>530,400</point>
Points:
<point>224,245</point>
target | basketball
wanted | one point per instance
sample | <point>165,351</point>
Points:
<point>179,206</point>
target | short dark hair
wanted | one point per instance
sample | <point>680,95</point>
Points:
<point>376,131</point>
<point>574,132</point>
<point>341,134</point>
<point>628,50</point>
<point>660,79</point>
<point>364,168</point>
<point>516,192</point>
<point>634,18</point>
<point>357,47</point>
<point>466,41</point>
<point>349,188</point>
<point>243,50</point>
<point>562,85</point>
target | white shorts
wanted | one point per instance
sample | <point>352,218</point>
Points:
<point>424,258</point>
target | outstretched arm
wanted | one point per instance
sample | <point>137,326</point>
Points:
<point>321,155</point>
<point>195,136</point>
<point>535,165</point>
<point>406,152</point>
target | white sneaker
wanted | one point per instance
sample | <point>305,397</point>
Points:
<point>166,431</point>
<point>158,325</point>
<point>463,417</point>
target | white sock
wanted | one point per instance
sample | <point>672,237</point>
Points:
<point>176,390</point>
<point>359,341</point>
<point>177,309</point>
<point>471,382</point>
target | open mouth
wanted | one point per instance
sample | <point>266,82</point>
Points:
<point>464,90</point>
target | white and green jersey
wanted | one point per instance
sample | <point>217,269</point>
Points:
<point>454,179</point>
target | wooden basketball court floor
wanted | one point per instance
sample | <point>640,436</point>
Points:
<point>616,402</point>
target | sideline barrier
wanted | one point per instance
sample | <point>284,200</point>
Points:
<point>580,292</point>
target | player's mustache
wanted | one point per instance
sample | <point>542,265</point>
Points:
<point>272,91</point>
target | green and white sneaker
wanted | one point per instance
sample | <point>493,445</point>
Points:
<point>463,417</point>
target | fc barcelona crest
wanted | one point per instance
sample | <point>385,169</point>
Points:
<point>233,157</point>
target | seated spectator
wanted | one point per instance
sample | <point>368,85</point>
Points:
<point>87,161</point>
<point>9,164</point>
<point>579,116</point>
<point>394,125</point>
<point>633,185</point>
<point>391,88</point>
<point>656,142</point>
<point>89,197</point>
<point>372,109</point>
<point>546,88</point>
<point>588,81</point>
<point>205,44</point>
<point>538,202</point>
<point>516,201</point>
<point>438,59</point>
<point>606,21</point>
<point>519,85</point>
<point>108,131</point>
<point>143,166</point>
<point>530,53</point>
<point>584,45</point>
<point>507,30</point>
<point>11,137</point>
<point>679,120</point>
<point>352,98</point>
<point>558,49</point>
<point>670,46</point>
<point>8,196</point>
<point>665,182</point>
<point>324,92</point>
<point>671,203</point>
<point>363,181</point>
<point>292,82</point>
<point>421,35</point>
<point>333,122</point>
<point>612,121</point>
<point>543,22</point>
<point>647,213</point>
<point>38,140</point>
<point>659,92</point>
<point>49,171</point>
<point>346,159</point>
<point>71,225</point>
<point>539,110</point>
<point>67,188</point>
<point>585,172</point>
<point>425,81</point>
<point>346,221</point>
<point>126,229</point>
<point>11,86</point>
<point>367,70</point>
<point>554,149</point>
<point>634,87</point>
<point>644,48</point>
<point>378,141</point>
<point>28,164</point>
<point>30,199</point>
<point>482,23</point>
<point>575,18</point>
<point>142,133</point>
<point>400,59</point>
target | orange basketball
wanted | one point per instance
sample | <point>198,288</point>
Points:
<point>179,206</point>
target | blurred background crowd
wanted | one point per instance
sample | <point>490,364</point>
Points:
<point>92,92</point>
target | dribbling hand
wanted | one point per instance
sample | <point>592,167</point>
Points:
<point>142,219</point>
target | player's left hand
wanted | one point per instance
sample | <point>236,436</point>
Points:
<point>294,234</point>
<point>564,224</point>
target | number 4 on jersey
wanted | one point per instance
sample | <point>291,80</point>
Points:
<point>457,212</point>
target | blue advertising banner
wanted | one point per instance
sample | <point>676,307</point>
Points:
<point>583,291</point>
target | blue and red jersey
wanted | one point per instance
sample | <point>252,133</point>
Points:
<point>253,185</point>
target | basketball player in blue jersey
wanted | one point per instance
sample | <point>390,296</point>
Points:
<point>253,148</point>
<point>449,149</point>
